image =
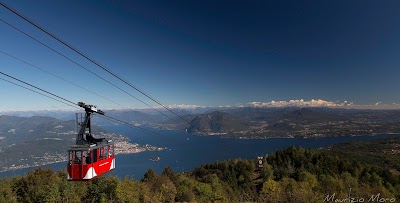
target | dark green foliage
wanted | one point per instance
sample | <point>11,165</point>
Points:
<point>150,175</point>
<point>41,185</point>
<point>102,189</point>
<point>6,192</point>
<point>237,174</point>
<point>380,152</point>
<point>169,173</point>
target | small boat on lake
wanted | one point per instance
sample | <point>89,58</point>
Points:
<point>155,159</point>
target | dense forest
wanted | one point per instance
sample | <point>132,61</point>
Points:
<point>288,175</point>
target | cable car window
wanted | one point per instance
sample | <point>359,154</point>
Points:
<point>106,150</point>
<point>101,153</point>
<point>70,157</point>
<point>85,157</point>
<point>78,157</point>
<point>94,155</point>
<point>89,157</point>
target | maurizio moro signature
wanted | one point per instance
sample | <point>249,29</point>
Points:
<point>372,198</point>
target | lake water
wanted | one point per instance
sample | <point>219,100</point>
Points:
<point>186,151</point>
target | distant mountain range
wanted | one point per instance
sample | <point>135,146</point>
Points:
<point>22,129</point>
<point>250,122</point>
<point>289,122</point>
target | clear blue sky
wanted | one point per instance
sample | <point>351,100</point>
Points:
<point>208,53</point>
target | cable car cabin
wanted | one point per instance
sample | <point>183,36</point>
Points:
<point>88,162</point>
<point>90,157</point>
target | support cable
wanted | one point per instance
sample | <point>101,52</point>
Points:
<point>37,88</point>
<point>81,66</point>
<point>39,93</point>
<point>75,104</point>
<point>91,60</point>
<point>134,126</point>
<point>56,76</point>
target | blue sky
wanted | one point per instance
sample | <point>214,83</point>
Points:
<point>207,53</point>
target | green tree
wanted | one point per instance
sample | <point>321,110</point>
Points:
<point>167,189</point>
<point>6,193</point>
<point>158,188</point>
<point>203,192</point>
<point>129,191</point>
<point>41,185</point>
<point>184,189</point>
<point>267,172</point>
<point>150,175</point>
<point>73,192</point>
<point>169,173</point>
<point>271,192</point>
<point>102,189</point>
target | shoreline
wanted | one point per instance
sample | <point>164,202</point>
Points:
<point>313,136</point>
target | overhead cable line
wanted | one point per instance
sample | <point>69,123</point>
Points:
<point>131,125</point>
<point>37,88</point>
<point>91,60</point>
<point>58,78</point>
<point>83,67</point>
<point>41,69</point>
<point>27,63</point>
<point>39,93</point>
<point>74,104</point>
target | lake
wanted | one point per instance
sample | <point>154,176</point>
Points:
<point>186,151</point>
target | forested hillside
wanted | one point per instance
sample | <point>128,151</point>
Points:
<point>289,175</point>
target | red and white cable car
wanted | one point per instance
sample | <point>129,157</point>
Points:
<point>90,157</point>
